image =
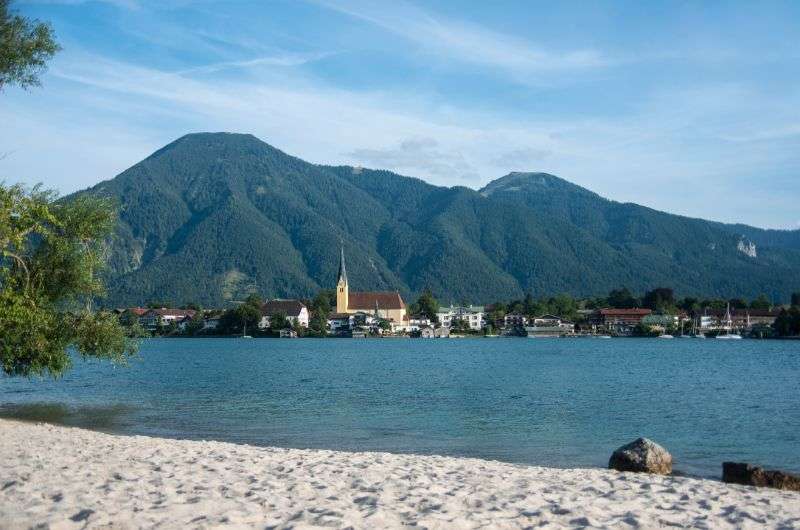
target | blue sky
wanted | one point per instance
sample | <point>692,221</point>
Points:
<point>688,107</point>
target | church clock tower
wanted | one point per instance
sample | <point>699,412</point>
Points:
<point>342,288</point>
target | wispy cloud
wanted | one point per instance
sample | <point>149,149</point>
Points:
<point>127,4</point>
<point>417,156</point>
<point>287,60</point>
<point>706,146</point>
<point>328,125</point>
<point>467,42</point>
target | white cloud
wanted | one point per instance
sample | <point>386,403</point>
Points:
<point>468,42</point>
<point>97,116</point>
<point>127,4</point>
<point>415,156</point>
<point>286,59</point>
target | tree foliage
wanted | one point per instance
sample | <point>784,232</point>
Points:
<point>622,299</point>
<point>52,257</point>
<point>320,309</point>
<point>25,47</point>
<point>246,315</point>
<point>788,323</point>
<point>762,302</point>
<point>278,321</point>
<point>659,299</point>
<point>426,305</point>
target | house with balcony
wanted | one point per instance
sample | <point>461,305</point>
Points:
<point>549,326</point>
<point>471,317</point>
<point>619,321</point>
<point>155,319</point>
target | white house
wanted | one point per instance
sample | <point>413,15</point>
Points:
<point>550,326</point>
<point>339,322</point>
<point>296,312</point>
<point>411,324</point>
<point>514,320</point>
<point>156,318</point>
<point>472,315</point>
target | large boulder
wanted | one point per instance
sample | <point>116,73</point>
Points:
<point>643,456</point>
<point>750,475</point>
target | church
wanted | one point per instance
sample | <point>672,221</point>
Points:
<point>386,304</point>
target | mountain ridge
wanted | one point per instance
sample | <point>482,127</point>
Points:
<point>212,216</point>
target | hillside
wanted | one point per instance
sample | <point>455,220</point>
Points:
<point>212,217</point>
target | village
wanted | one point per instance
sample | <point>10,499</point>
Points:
<point>461,321</point>
<point>355,314</point>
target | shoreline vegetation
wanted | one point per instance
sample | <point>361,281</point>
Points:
<point>180,483</point>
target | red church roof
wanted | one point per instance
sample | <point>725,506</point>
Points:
<point>366,301</point>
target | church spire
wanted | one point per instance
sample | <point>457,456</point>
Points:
<point>342,287</point>
<point>342,269</point>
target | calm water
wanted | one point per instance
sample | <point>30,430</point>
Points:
<point>556,402</point>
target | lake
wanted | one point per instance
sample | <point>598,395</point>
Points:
<point>552,402</point>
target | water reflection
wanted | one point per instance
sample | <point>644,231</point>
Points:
<point>104,418</point>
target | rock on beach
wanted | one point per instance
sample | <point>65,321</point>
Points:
<point>750,475</point>
<point>642,456</point>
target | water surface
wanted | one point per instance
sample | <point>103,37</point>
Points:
<point>553,402</point>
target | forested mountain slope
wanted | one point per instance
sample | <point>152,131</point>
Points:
<point>212,217</point>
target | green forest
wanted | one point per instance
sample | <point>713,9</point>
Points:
<point>216,217</point>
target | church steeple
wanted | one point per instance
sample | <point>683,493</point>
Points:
<point>342,269</point>
<point>342,287</point>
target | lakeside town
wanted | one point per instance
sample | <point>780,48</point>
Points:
<point>345,313</point>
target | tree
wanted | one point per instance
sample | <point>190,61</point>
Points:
<point>788,323</point>
<point>762,303</point>
<point>737,303</point>
<point>622,299</point>
<point>795,299</point>
<point>497,313</point>
<point>659,299</point>
<point>516,307</point>
<point>278,321</point>
<point>25,47</point>
<point>247,314</point>
<point>158,304</point>
<point>716,304</point>
<point>195,325</point>
<point>690,304</point>
<point>320,310</point>
<point>52,256</point>
<point>529,305</point>
<point>563,306</point>
<point>426,305</point>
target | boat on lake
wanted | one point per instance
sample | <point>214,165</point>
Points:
<point>728,327</point>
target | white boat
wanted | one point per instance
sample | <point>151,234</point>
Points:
<point>728,326</point>
<point>666,336</point>
<point>603,337</point>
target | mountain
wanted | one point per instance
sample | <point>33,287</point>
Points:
<point>212,217</point>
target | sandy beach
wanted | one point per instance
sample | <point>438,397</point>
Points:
<point>61,477</point>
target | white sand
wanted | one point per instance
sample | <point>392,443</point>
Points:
<point>74,478</point>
